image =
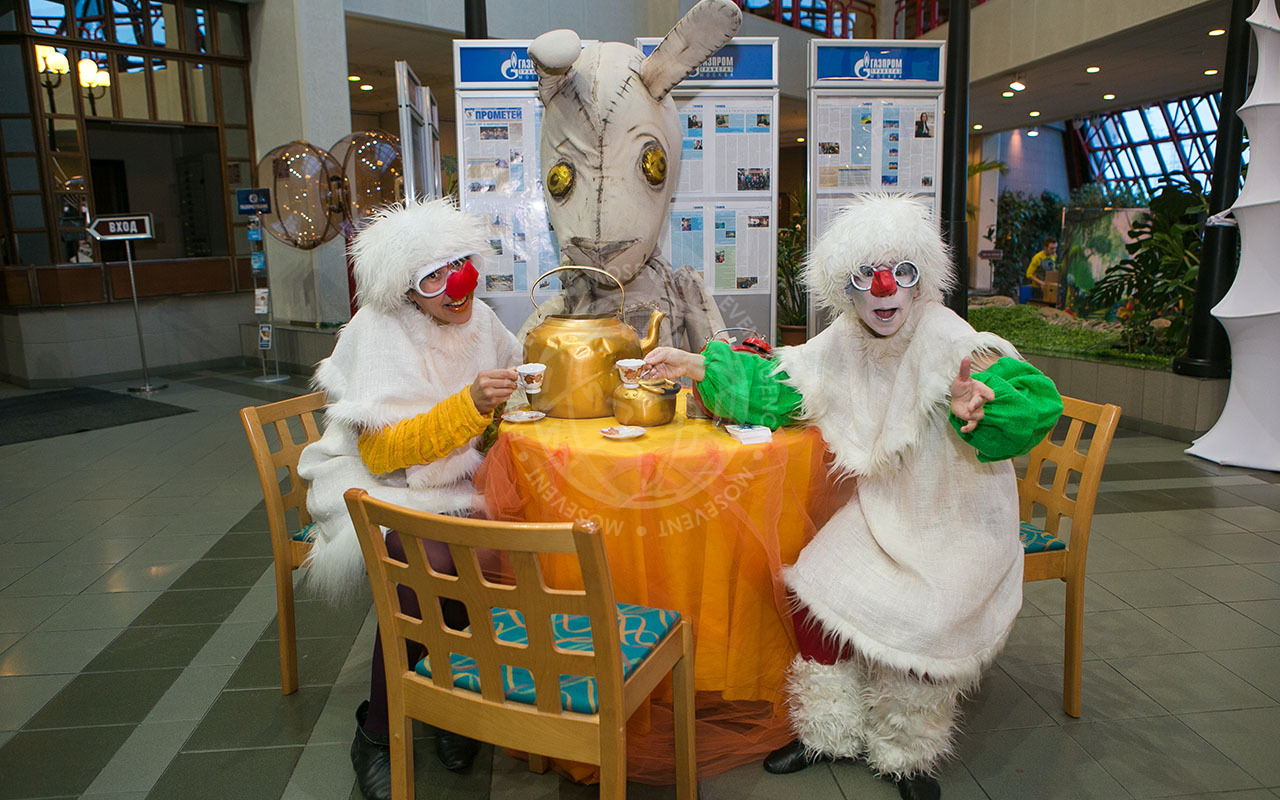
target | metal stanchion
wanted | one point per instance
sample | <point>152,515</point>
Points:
<point>146,387</point>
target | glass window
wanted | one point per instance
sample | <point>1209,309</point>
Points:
<point>230,29</point>
<point>237,142</point>
<point>1159,129</point>
<point>200,92</point>
<point>73,210</point>
<point>129,21</point>
<point>91,20</point>
<point>33,248</point>
<point>62,136</point>
<point>8,15</point>
<point>54,68</point>
<point>28,210</point>
<point>163,16</point>
<point>94,71</point>
<point>17,135</point>
<point>68,172</point>
<point>195,26</point>
<point>23,175</point>
<point>168,84</point>
<point>1169,152</point>
<point>131,77</point>
<point>13,92</point>
<point>234,108</point>
<point>48,16</point>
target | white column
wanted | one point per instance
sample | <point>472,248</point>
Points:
<point>299,78</point>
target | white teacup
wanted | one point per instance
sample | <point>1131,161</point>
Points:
<point>531,376</point>
<point>630,369</point>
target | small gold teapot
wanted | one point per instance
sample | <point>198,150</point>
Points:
<point>649,404</point>
<point>579,351</point>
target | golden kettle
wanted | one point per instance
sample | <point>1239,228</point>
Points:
<point>649,404</point>
<point>579,351</point>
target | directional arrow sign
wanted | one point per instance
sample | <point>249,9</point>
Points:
<point>121,226</point>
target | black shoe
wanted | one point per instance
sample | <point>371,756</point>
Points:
<point>919,787</point>
<point>371,760</point>
<point>455,752</point>
<point>791,757</point>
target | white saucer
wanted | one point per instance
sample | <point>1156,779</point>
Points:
<point>622,431</point>
<point>523,415</point>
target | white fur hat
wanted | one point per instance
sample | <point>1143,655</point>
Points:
<point>400,241</point>
<point>878,229</point>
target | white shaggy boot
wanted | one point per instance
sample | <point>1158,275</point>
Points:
<point>827,707</point>
<point>911,723</point>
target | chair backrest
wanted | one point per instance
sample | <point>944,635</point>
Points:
<point>283,503</point>
<point>528,593</point>
<point>1061,459</point>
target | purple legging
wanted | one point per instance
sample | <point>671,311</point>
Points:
<point>455,616</point>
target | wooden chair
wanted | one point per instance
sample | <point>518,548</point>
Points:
<point>287,516</point>
<point>528,673</point>
<point>1045,554</point>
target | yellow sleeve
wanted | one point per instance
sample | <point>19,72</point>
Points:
<point>450,424</point>
<point>1035,264</point>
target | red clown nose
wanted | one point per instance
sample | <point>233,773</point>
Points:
<point>463,282</point>
<point>883,284</point>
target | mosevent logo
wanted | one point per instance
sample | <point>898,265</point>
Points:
<point>870,68</point>
<point>516,68</point>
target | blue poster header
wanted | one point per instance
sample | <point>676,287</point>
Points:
<point>486,64</point>
<point>864,63</point>
<point>743,62</point>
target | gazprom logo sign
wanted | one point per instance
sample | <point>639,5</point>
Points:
<point>742,62</point>
<point>878,68</point>
<point>494,65</point>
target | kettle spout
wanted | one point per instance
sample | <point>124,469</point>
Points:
<point>655,328</point>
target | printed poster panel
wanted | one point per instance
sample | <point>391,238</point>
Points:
<point>876,144</point>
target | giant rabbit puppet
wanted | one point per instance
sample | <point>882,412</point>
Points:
<point>610,150</point>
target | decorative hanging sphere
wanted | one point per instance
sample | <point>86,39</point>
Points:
<point>373,171</point>
<point>306,194</point>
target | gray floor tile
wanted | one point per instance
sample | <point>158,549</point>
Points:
<point>21,696</point>
<point>319,619</point>
<point>1150,588</point>
<point>97,551</point>
<point>152,648</point>
<point>1106,555</point>
<point>323,772</point>
<point>143,758</point>
<point>36,763</point>
<point>222,573</point>
<point>1104,693</point>
<point>1159,756</point>
<point>105,698</point>
<point>1196,521</point>
<point>51,578</point>
<point>1265,612</point>
<point>259,773</point>
<point>228,645</point>
<point>1127,525</point>
<point>1230,582</point>
<point>1034,640</point>
<point>1246,736</point>
<point>278,720</point>
<point>1251,519</point>
<point>1269,571</point>
<point>319,661</point>
<point>191,695</point>
<point>177,607</point>
<point>1044,763</point>
<point>1189,682</point>
<point>1175,551</point>
<point>1243,548</point>
<point>55,652</point>
<point>177,548</point>
<point>1111,634</point>
<point>1214,627</point>
<point>87,611</point>
<point>22,614</point>
<point>1260,667</point>
<point>1050,597</point>
<point>30,554</point>
<point>1001,704</point>
<point>139,575</point>
<point>512,780</point>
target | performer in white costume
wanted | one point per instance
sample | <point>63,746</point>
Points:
<point>411,386</point>
<point>909,592</point>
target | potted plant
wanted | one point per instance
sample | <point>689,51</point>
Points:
<point>793,300</point>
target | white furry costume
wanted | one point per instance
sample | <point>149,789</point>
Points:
<point>393,362</point>
<point>921,572</point>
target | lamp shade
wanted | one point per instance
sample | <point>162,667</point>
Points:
<point>372,171</point>
<point>306,194</point>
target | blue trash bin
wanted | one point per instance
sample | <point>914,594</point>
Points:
<point>1024,294</point>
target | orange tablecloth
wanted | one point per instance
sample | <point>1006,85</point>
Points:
<point>692,521</point>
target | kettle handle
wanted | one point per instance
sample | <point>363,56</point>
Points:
<point>621,302</point>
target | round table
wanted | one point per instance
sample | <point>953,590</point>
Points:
<point>692,521</point>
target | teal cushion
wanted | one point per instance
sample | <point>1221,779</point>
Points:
<point>641,629</point>
<point>307,534</point>
<point>1038,540</point>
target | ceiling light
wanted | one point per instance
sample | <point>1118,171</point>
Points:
<point>799,140</point>
<point>365,87</point>
<point>1033,113</point>
<point>1210,72</point>
<point>1017,85</point>
<point>353,78</point>
<point>1033,132</point>
<point>1217,31</point>
<point>977,126</point>
<point>1108,96</point>
<point>1092,70</point>
<point>1006,94</point>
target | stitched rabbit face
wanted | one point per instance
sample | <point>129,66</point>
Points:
<point>611,138</point>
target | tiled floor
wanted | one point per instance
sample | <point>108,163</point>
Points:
<point>137,657</point>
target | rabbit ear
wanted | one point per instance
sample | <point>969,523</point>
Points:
<point>553,53</point>
<point>705,29</point>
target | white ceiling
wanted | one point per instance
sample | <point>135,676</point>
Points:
<point>1161,60</point>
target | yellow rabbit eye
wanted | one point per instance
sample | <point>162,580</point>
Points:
<point>560,180</point>
<point>654,165</point>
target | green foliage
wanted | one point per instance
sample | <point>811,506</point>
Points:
<point>1022,223</point>
<point>793,300</point>
<point>977,168</point>
<point>1026,329</point>
<point>1155,287</point>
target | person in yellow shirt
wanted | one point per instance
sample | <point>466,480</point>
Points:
<point>411,385</point>
<point>1041,263</point>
